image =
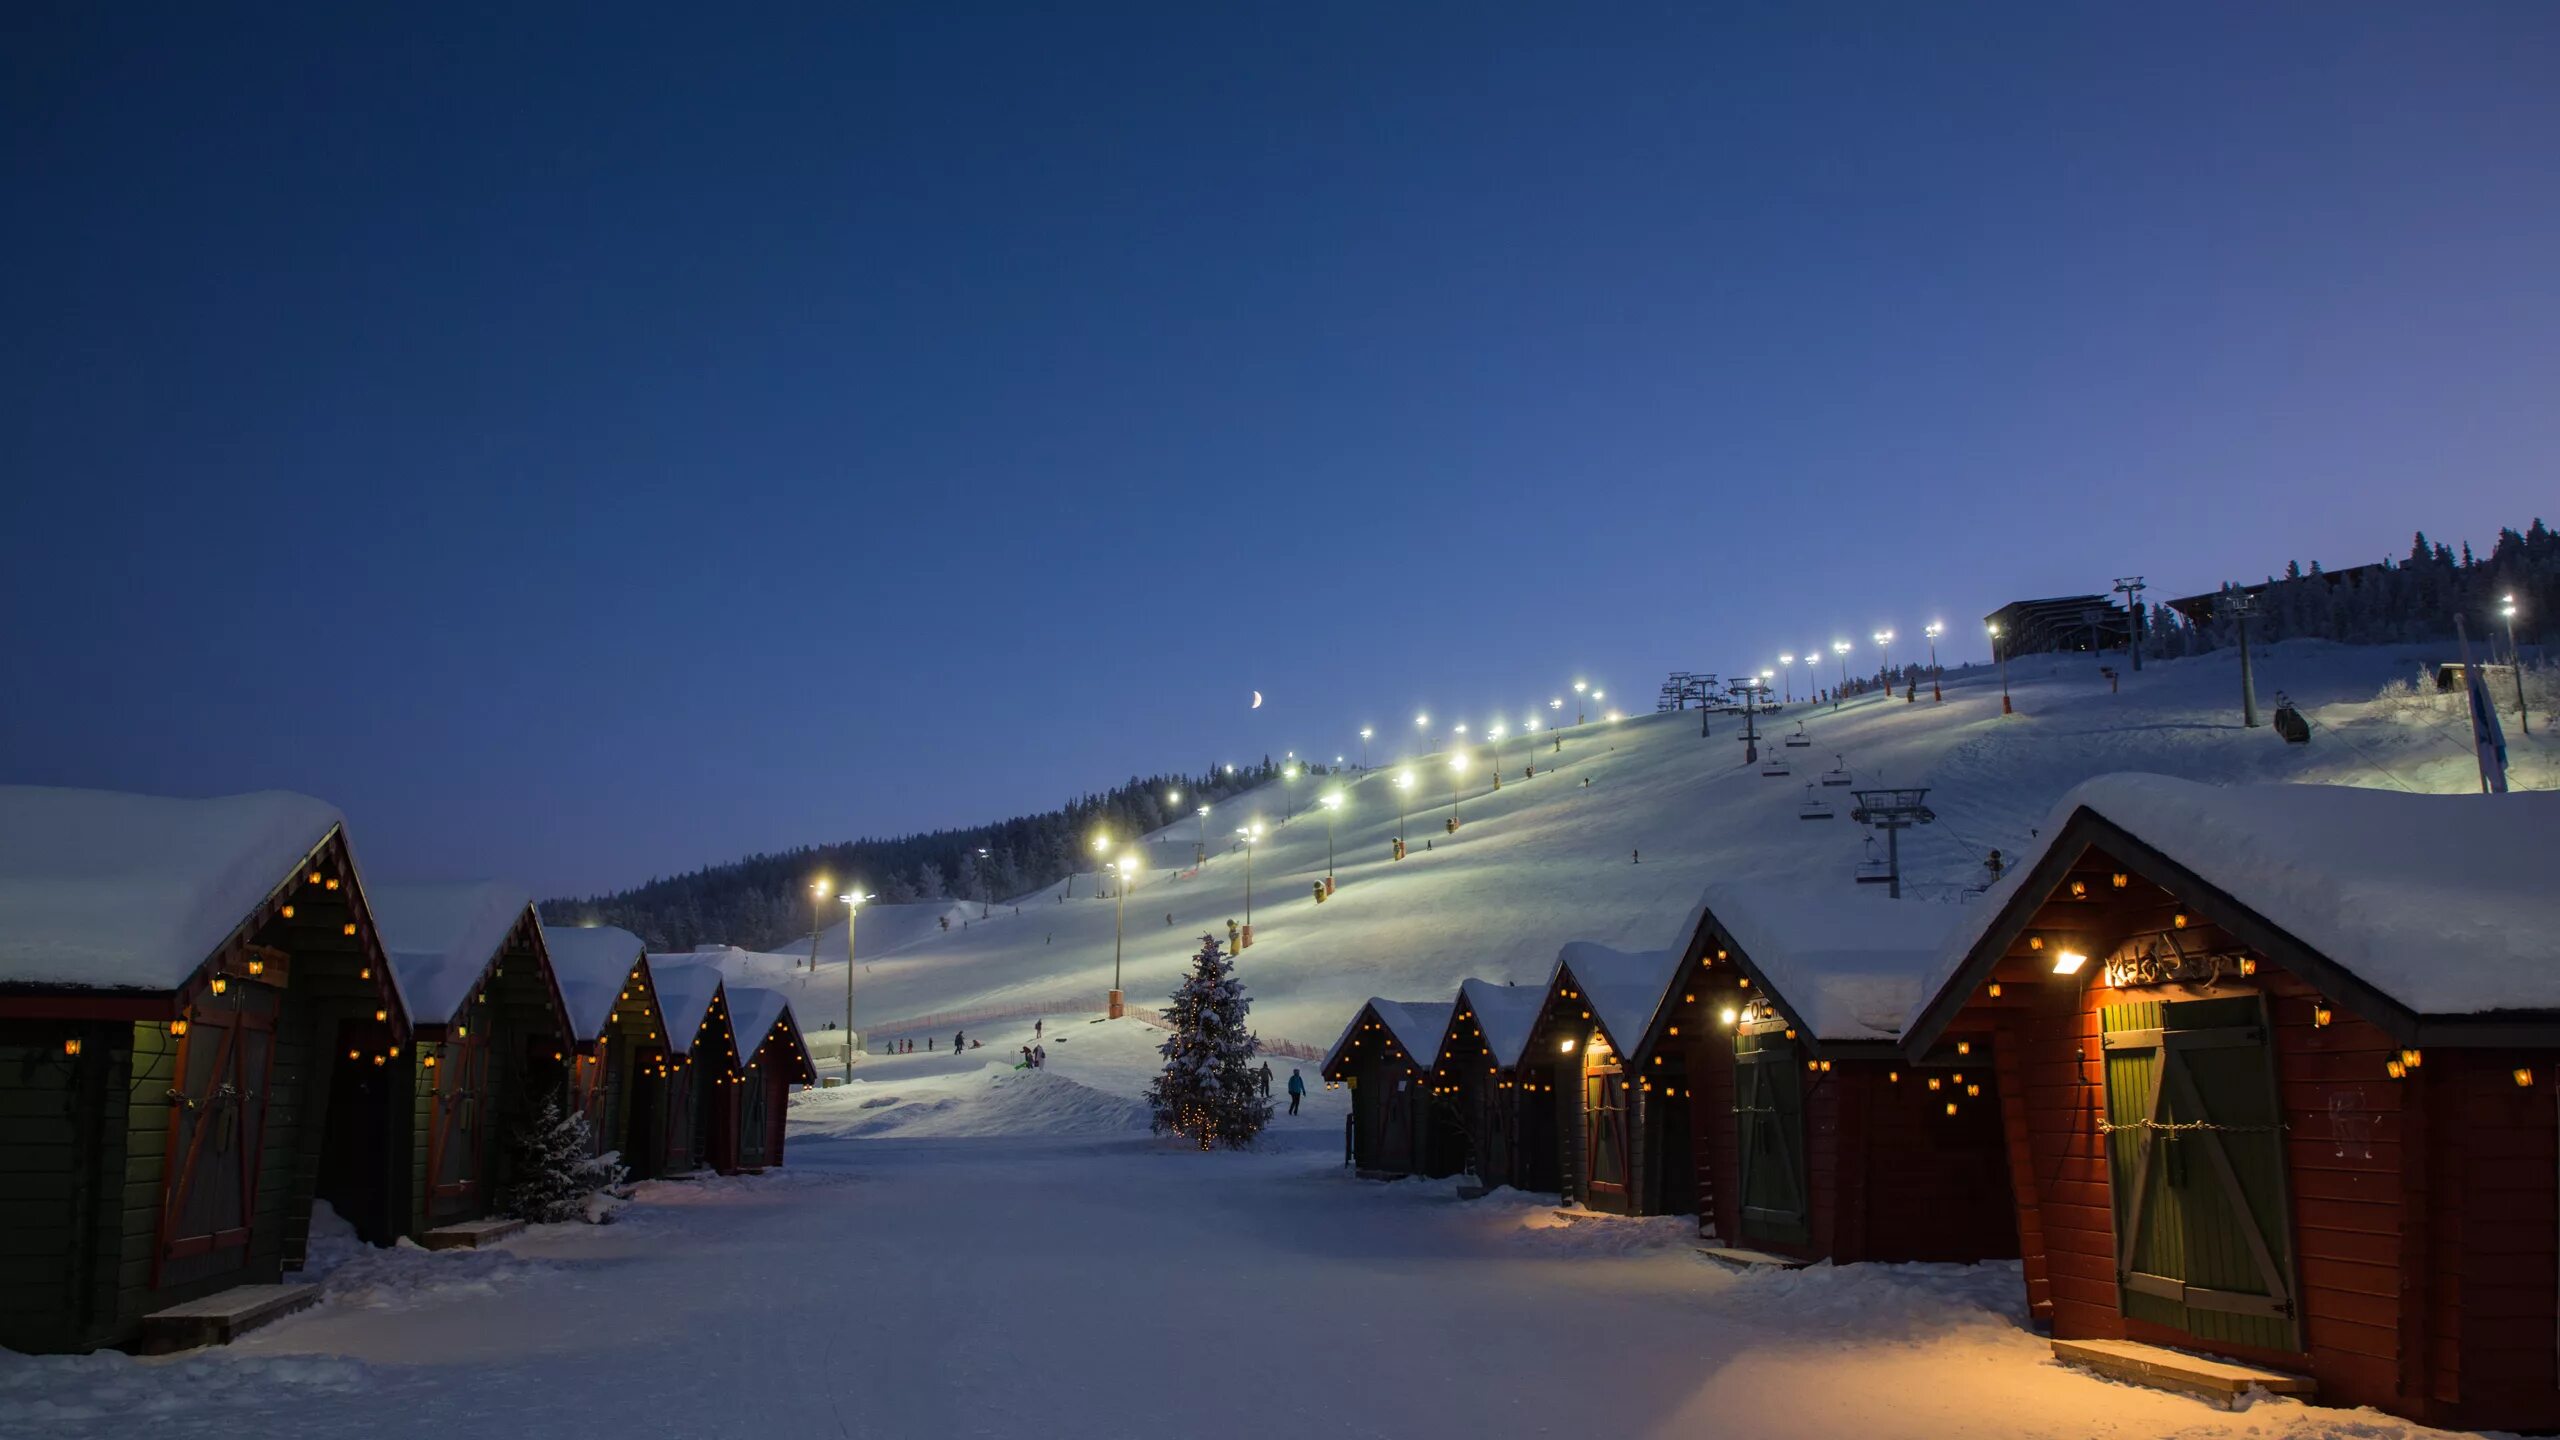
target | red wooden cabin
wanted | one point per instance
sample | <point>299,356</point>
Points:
<point>1815,1139</point>
<point>621,1034</point>
<point>772,1057</point>
<point>692,1079</point>
<point>1476,1078</point>
<point>2277,1079</point>
<point>1622,1127</point>
<point>1385,1057</point>
<point>493,1036</point>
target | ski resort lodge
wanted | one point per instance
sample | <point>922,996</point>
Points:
<point>209,1026</point>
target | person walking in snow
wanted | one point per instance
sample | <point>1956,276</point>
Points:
<point>956,1046</point>
<point>1037,1026</point>
<point>1264,1075</point>
<point>1319,892</point>
<point>1297,1090</point>
<point>1234,933</point>
<point>1168,919</point>
<point>1635,857</point>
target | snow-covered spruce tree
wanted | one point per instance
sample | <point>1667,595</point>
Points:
<point>1208,1093</point>
<point>556,1168</point>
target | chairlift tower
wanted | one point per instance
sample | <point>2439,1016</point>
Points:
<point>1892,811</point>
<point>2131,588</point>
<point>1750,692</point>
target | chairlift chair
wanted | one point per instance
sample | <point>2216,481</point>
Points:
<point>1874,870</point>
<point>1799,740</point>
<point>1815,807</point>
<point>1838,775</point>
<point>1775,765</point>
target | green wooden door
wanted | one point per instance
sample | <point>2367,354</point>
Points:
<point>2195,1154</point>
<point>1768,1116</point>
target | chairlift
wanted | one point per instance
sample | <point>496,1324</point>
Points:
<point>1774,765</point>
<point>1815,807</point>
<point>1799,740</point>
<point>1874,869</point>
<point>1838,775</point>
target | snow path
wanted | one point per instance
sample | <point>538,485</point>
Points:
<point>1107,1284</point>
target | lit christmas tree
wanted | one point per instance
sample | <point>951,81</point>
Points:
<point>556,1168</point>
<point>1208,1092</point>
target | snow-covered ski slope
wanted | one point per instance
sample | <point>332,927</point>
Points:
<point>1552,859</point>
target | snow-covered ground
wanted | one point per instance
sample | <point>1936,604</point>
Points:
<point>965,1249</point>
<point>1548,860</point>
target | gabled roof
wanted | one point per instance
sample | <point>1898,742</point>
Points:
<point>1416,1026</point>
<point>592,964</point>
<point>1845,967</point>
<point>136,892</point>
<point>441,938</point>
<point>1505,1013</point>
<point>755,1014</point>
<point>2409,908</point>
<point>1621,988</point>
<point>685,993</point>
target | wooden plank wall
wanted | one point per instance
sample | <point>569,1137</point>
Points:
<point>62,1129</point>
<point>2496,1313</point>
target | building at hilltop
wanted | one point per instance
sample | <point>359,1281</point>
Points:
<point>2065,623</point>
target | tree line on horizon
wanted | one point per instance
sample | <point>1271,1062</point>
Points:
<point>763,901</point>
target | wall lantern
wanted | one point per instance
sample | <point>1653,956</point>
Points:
<point>71,1046</point>
<point>2524,1073</point>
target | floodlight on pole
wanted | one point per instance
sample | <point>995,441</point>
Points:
<point>852,908</point>
<point>818,890</point>
<point>1404,796</point>
<point>1251,834</point>
<point>1841,648</point>
<point>1288,793</point>
<point>1331,800</point>
<point>1202,858</point>
<point>1787,686</point>
<point>1493,742</point>
<point>1127,865</point>
<point>1364,747</point>
<point>1937,689</point>
<point>2000,653</point>
<point>1884,655</point>
<point>2515,661</point>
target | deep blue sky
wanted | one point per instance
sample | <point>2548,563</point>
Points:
<point>589,446</point>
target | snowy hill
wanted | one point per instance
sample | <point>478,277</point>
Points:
<point>1552,859</point>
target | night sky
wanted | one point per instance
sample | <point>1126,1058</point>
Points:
<point>585,447</point>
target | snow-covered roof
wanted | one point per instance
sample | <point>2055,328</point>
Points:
<point>1505,1013</point>
<point>592,964</point>
<point>685,993</point>
<point>753,1012</point>
<point>135,892</point>
<point>1846,967</point>
<point>441,937</point>
<point>1622,988</point>
<point>1416,1025</point>
<point>2445,904</point>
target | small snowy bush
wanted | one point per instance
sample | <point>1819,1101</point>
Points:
<point>557,1170</point>
<point>1208,1093</point>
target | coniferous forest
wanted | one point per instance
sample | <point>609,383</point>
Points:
<point>763,900</point>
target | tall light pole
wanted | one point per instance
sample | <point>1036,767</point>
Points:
<point>1251,833</point>
<point>2241,603</point>
<point>1404,796</point>
<point>2515,659</point>
<point>1364,749</point>
<point>1101,847</point>
<point>1493,741</point>
<point>817,900</point>
<point>2000,653</point>
<point>986,901</point>
<point>1937,690</point>
<point>1331,800</point>
<point>1884,652</point>
<point>1555,707</point>
<point>852,907</point>
<point>1787,668</point>
<point>1579,689</point>
<point>1288,793</point>
<point>1457,774</point>
<point>1127,866</point>
<point>1841,648</point>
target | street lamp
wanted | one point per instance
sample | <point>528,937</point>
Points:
<point>986,900</point>
<point>1202,858</point>
<point>817,900</point>
<point>1457,774</point>
<point>1288,794</point>
<point>1937,691</point>
<point>2515,658</point>
<point>2000,653</point>
<point>1841,648</point>
<point>1529,744</point>
<point>1404,793</point>
<point>1787,667</point>
<point>1331,800</point>
<point>1364,749</point>
<point>1579,689</point>
<point>1493,740</point>
<point>1251,833</point>
<point>1101,846</point>
<point>1884,654</point>
<point>1128,865</point>
<point>852,907</point>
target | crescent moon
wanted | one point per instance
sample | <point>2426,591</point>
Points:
<point>1257,699</point>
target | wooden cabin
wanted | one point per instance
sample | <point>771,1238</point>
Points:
<point>493,1037</point>
<point>603,974</point>
<point>772,1057</point>
<point>199,1041</point>
<point>2279,1075</point>
<point>1621,1129</point>
<point>1815,1139</point>
<point>1476,1076</point>
<point>1385,1057</point>
<point>700,1066</point>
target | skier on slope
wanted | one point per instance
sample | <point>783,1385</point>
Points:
<point>1264,1076</point>
<point>1037,1026</point>
<point>1297,1090</point>
<point>956,1046</point>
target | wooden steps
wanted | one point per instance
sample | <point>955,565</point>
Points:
<point>470,1234</point>
<point>2219,1381</point>
<point>1741,1259</point>
<point>222,1317</point>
